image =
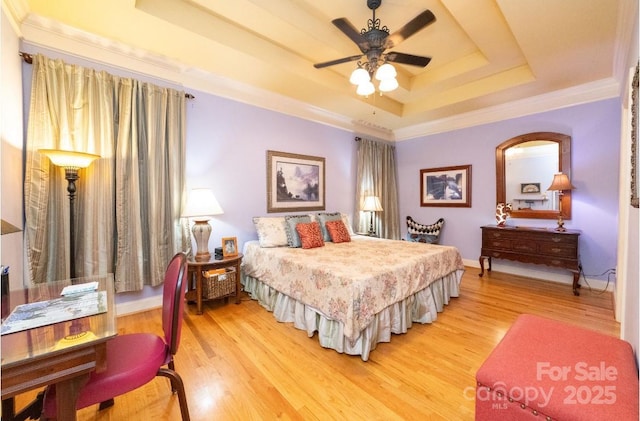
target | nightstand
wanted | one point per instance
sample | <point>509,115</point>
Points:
<point>194,283</point>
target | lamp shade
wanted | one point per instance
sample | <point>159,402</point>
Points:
<point>388,85</point>
<point>561,182</point>
<point>386,71</point>
<point>371,204</point>
<point>359,76</point>
<point>365,88</point>
<point>201,202</point>
<point>69,159</point>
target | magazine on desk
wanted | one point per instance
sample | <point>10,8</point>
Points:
<point>65,308</point>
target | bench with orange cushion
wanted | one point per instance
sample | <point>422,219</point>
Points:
<point>549,370</point>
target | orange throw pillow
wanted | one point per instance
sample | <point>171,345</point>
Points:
<point>310,235</point>
<point>338,231</point>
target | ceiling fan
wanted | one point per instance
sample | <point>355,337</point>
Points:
<point>375,40</point>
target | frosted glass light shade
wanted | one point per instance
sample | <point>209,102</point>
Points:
<point>201,203</point>
<point>69,159</point>
<point>359,76</point>
<point>365,89</point>
<point>386,71</point>
<point>388,85</point>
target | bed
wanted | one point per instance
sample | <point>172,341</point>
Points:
<point>353,294</point>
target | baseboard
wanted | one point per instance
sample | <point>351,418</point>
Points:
<point>545,273</point>
<point>138,306</point>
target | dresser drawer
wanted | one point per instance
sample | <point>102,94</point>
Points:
<point>558,250</point>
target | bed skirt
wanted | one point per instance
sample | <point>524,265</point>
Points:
<point>421,307</point>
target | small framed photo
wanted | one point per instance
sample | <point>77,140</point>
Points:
<point>529,188</point>
<point>446,186</point>
<point>229,247</point>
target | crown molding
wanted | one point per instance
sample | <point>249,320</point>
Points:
<point>43,32</point>
<point>582,94</point>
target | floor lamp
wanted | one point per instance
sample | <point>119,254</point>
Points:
<point>560,183</point>
<point>71,162</point>
<point>371,204</point>
<point>202,204</point>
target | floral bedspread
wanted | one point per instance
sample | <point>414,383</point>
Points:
<point>351,282</point>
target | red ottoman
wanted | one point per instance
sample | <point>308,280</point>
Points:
<point>548,370</point>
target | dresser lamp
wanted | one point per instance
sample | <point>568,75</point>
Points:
<point>371,204</point>
<point>200,206</point>
<point>560,183</point>
<point>71,161</point>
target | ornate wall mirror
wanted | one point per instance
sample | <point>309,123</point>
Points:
<point>525,166</point>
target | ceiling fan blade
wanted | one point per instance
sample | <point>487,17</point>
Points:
<point>403,58</point>
<point>338,61</point>
<point>349,30</point>
<point>414,25</point>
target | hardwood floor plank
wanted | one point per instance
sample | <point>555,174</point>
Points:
<point>238,363</point>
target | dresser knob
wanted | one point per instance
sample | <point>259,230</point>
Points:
<point>556,250</point>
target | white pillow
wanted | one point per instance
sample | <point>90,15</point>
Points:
<point>345,219</point>
<point>271,230</point>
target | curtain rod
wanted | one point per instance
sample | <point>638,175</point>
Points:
<point>28,58</point>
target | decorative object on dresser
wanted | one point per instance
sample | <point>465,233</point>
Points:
<point>371,204</point>
<point>202,204</point>
<point>424,233</point>
<point>294,182</point>
<point>503,210</point>
<point>446,186</point>
<point>71,162</point>
<point>543,246</point>
<point>560,183</point>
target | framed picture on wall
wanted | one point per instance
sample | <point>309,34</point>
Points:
<point>294,182</point>
<point>446,186</point>
<point>529,188</point>
<point>635,171</point>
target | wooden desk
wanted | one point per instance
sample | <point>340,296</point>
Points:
<point>42,356</point>
<point>544,246</point>
<point>194,292</point>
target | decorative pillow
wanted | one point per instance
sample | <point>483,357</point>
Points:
<point>338,231</point>
<point>271,231</point>
<point>324,217</point>
<point>347,223</point>
<point>293,239</point>
<point>310,235</point>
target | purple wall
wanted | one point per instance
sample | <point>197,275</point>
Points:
<point>227,145</point>
<point>595,131</point>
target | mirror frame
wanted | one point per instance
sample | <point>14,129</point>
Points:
<point>564,164</point>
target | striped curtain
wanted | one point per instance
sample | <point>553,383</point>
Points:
<point>128,202</point>
<point>377,175</point>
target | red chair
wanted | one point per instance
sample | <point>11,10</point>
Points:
<point>135,359</point>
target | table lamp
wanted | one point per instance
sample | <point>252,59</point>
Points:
<point>560,183</point>
<point>372,204</point>
<point>200,206</point>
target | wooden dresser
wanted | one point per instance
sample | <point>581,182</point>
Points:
<point>543,246</point>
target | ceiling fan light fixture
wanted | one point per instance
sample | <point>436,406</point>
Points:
<point>366,88</point>
<point>386,71</point>
<point>359,76</point>
<point>388,85</point>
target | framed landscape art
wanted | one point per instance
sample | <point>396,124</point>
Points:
<point>446,186</point>
<point>294,182</point>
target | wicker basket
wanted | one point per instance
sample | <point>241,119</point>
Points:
<point>219,285</point>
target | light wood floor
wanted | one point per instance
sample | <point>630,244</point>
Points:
<point>238,363</point>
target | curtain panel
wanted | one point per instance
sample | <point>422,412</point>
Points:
<point>128,201</point>
<point>377,175</point>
